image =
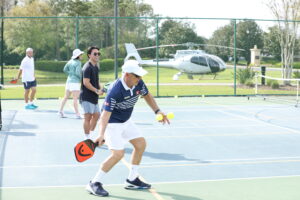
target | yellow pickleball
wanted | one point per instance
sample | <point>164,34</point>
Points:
<point>159,117</point>
<point>170,115</point>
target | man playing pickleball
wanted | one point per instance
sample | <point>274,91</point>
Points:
<point>28,79</point>
<point>116,127</point>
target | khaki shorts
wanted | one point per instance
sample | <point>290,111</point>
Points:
<point>117,135</point>
<point>89,107</point>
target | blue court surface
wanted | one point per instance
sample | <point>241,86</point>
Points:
<point>216,148</point>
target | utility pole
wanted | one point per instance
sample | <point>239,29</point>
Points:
<point>116,39</point>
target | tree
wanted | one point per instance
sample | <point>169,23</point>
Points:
<point>272,42</point>
<point>223,37</point>
<point>286,12</point>
<point>177,32</point>
<point>36,33</point>
<point>248,35</point>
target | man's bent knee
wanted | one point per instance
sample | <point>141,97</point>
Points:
<point>118,154</point>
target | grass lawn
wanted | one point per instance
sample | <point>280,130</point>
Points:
<point>165,76</point>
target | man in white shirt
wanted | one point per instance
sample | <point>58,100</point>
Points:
<point>28,79</point>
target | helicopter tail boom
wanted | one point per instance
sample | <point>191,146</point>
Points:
<point>132,52</point>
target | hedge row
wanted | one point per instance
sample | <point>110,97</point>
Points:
<point>58,66</point>
<point>296,65</point>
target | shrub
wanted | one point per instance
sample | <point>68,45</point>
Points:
<point>249,83</point>
<point>244,74</point>
<point>273,84</point>
<point>296,65</point>
<point>296,74</point>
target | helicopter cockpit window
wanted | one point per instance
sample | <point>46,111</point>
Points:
<point>199,60</point>
<point>202,61</point>
<point>213,63</point>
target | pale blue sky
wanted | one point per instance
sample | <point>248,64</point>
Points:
<point>250,9</point>
<point>255,9</point>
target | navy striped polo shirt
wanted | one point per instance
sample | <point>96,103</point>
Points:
<point>120,99</point>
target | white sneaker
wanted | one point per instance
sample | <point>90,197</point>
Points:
<point>61,114</point>
<point>78,117</point>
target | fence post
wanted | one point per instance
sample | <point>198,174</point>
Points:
<point>234,55</point>
<point>157,54</point>
<point>2,49</point>
<point>116,39</point>
<point>77,30</point>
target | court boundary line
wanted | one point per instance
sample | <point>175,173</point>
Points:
<point>177,163</point>
<point>151,190</point>
<point>248,118</point>
<point>158,183</point>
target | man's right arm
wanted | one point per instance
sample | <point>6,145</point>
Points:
<point>88,85</point>
<point>19,74</point>
<point>104,118</point>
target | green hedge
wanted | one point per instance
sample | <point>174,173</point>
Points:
<point>50,66</point>
<point>58,66</point>
<point>296,65</point>
<point>108,64</point>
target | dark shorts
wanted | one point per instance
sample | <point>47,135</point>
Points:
<point>29,84</point>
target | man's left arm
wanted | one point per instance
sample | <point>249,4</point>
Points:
<point>153,105</point>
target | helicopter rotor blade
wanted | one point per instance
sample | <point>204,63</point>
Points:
<point>160,46</point>
<point>189,45</point>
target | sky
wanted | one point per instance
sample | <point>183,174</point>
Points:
<point>241,9</point>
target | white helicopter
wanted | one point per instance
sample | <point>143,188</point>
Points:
<point>186,61</point>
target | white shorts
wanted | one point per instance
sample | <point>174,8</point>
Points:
<point>73,86</point>
<point>118,134</point>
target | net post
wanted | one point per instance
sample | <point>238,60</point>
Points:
<point>297,97</point>
<point>256,82</point>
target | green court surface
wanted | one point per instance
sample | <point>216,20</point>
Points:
<point>216,148</point>
<point>280,188</point>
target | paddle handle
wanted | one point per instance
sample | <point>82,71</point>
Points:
<point>97,143</point>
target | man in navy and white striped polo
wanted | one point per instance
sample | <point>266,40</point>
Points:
<point>117,129</point>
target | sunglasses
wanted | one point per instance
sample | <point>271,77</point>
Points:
<point>137,76</point>
<point>97,54</point>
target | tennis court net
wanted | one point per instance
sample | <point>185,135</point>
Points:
<point>277,89</point>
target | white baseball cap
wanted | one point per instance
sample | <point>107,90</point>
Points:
<point>132,66</point>
<point>76,53</point>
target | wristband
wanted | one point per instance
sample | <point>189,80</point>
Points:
<point>156,111</point>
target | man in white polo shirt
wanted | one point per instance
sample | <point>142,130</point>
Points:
<point>28,79</point>
<point>116,127</point>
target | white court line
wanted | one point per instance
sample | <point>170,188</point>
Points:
<point>151,190</point>
<point>248,118</point>
<point>224,163</point>
<point>215,135</point>
<point>157,183</point>
<point>174,163</point>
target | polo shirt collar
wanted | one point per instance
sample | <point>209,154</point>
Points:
<point>126,87</point>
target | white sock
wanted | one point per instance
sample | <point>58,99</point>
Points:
<point>31,102</point>
<point>133,173</point>
<point>86,136</point>
<point>99,176</point>
<point>92,132</point>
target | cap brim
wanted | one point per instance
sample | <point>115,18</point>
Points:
<point>141,72</point>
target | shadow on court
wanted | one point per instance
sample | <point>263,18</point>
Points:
<point>163,156</point>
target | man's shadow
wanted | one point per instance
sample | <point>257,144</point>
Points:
<point>162,156</point>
